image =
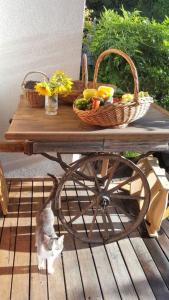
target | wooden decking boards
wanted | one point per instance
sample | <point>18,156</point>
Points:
<point>134,268</point>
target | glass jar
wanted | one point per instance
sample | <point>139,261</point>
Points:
<point>51,105</point>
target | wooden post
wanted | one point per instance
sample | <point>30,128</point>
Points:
<point>105,166</point>
<point>3,192</point>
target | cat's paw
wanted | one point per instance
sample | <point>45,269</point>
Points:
<point>41,267</point>
<point>51,270</point>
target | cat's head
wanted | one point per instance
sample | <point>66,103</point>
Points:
<point>55,245</point>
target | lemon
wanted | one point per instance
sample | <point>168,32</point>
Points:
<point>88,93</point>
<point>143,94</point>
<point>127,97</point>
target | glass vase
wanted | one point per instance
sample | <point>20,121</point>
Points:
<point>51,105</point>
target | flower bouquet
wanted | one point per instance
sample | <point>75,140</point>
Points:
<point>59,83</point>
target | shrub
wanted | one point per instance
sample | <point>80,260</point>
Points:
<point>164,102</point>
<point>155,9</point>
<point>146,42</point>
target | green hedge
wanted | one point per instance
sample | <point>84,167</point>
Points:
<point>147,43</point>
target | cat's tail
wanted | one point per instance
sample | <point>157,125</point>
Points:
<point>52,193</point>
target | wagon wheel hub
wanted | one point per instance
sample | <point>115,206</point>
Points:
<point>104,200</point>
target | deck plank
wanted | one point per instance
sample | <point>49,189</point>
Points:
<point>77,291</point>
<point>159,258</point>
<point>148,265</point>
<point>121,273</point>
<point>102,264</point>
<point>8,239</point>
<point>22,247</point>
<point>131,269</point>
<point>137,274</point>
<point>91,283</point>
<point>56,285</point>
<point>38,279</point>
<point>72,274</point>
<point>153,275</point>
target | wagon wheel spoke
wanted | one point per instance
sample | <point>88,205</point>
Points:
<point>83,184</point>
<point>117,187</point>
<point>105,225</point>
<point>95,177</point>
<point>121,169</point>
<point>82,212</point>
<point>83,176</point>
<point>109,219</point>
<point>126,197</point>
<point>93,221</point>
<point>111,172</point>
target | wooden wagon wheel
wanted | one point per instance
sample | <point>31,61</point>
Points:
<point>102,211</point>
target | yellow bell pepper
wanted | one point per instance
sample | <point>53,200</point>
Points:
<point>105,91</point>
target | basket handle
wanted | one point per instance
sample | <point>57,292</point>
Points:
<point>84,70</point>
<point>33,72</point>
<point>130,62</point>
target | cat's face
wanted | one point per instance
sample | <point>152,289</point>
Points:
<point>54,245</point>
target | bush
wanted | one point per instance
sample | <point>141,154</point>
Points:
<point>146,42</point>
<point>152,9</point>
<point>164,102</point>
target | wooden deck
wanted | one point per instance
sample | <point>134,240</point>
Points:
<point>133,268</point>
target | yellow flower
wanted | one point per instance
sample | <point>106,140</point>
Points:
<point>43,89</point>
<point>59,84</point>
<point>60,90</point>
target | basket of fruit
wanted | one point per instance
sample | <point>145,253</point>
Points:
<point>108,107</point>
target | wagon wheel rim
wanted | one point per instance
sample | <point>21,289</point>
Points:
<point>105,201</point>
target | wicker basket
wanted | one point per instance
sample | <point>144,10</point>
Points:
<point>33,98</point>
<point>119,114</point>
<point>79,85</point>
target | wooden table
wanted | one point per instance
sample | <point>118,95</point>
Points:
<point>65,133</point>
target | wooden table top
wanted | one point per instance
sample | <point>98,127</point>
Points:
<point>33,124</point>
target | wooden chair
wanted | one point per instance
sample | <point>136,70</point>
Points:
<point>159,187</point>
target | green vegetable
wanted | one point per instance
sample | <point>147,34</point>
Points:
<point>81,103</point>
<point>118,93</point>
<point>102,102</point>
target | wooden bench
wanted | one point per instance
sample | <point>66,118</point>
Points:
<point>7,146</point>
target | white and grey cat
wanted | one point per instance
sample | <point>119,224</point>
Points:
<point>48,244</point>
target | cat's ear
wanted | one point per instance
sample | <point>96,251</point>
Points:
<point>60,240</point>
<point>48,241</point>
